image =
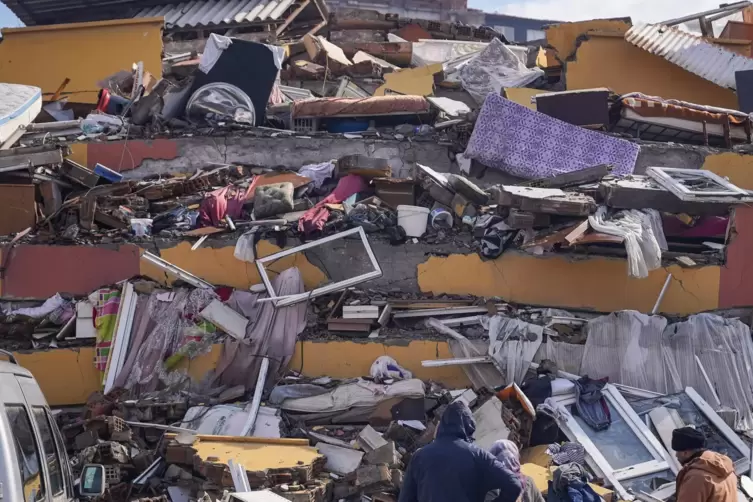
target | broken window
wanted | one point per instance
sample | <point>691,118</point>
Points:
<point>369,264</point>
<point>698,185</point>
<point>625,451</point>
<point>717,439</point>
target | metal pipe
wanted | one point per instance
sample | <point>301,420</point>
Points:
<point>17,167</point>
<point>168,267</point>
<point>259,223</point>
<point>661,294</point>
<point>438,363</point>
<point>727,8</point>
<point>54,126</point>
<point>248,428</point>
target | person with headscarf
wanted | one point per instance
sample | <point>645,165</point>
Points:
<point>706,476</point>
<point>507,454</point>
<point>453,469</point>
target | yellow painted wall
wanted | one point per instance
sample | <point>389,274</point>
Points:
<point>68,377</point>
<point>79,153</point>
<point>738,168</point>
<point>606,61</point>
<point>523,95</point>
<point>600,284</point>
<point>563,37</point>
<point>219,265</point>
<point>343,359</point>
<point>44,56</point>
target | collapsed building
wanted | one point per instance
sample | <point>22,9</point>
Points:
<point>277,280</point>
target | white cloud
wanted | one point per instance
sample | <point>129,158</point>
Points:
<point>578,10</point>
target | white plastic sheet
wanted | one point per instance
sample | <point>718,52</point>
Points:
<point>725,350</point>
<point>642,351</point>
<point>513,344</point>
<point>48,307</point>
<point>244,248</point>
<point>567,356</point>
<point>627,347</point>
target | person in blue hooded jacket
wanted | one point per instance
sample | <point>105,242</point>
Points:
<point>453,469</point>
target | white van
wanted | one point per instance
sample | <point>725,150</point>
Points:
<point>34,463</point>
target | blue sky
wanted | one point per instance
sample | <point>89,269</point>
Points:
<point>575,10</point>
<point>560,10</point>
<point>7,18</point>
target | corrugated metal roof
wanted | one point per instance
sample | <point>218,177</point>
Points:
<point>200,13</point>
<point>693,53</point>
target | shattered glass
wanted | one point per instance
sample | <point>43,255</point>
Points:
<point>620,446</point>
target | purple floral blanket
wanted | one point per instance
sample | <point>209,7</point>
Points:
<point>531,145</point>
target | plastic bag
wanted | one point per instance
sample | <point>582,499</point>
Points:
<point>386,368</point>
<point>244,248</point>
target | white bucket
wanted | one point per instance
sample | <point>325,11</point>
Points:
<point>413,219</point>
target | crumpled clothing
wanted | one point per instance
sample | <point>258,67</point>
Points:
<point>591,404</point>
<point>567,475</point>
<point>386,368</point>
<point>567,453</point>
<point>372,218</point>
<point>497,237</point>
<point>315,218</point>
<point>227,201</point>
<point>318,173</point>
<point>549,408</point>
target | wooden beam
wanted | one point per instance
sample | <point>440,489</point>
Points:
<point>292,17</point>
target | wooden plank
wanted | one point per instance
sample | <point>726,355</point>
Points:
<point>598,238</point>
<point>199,232</point>
<point>246,439</point>
<point>577,233</point>
<point>225,318</point>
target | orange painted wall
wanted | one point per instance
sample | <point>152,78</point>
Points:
<point>608,61</point>
<point>83,52</point>
<point>68,377</point>
<point>600,284</point>
<point>218,265</point>
<point>563,37</point>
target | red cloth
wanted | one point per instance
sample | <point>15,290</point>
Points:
<point>315,218</point>
<point>227,201</point>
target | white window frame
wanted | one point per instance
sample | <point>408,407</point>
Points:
<point>727,193</point>
<point>540,35</point>
<point>505,31</point>
<point>283,301</point>
<point>596,460</point>
<point>600,465</point>
<point>742,466</point>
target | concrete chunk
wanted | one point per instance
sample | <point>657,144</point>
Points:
<point>386,454</point>
<point>370,439</point>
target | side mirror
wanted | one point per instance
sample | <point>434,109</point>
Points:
<point>92,481</point>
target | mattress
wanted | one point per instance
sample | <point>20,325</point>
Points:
<point>656,119</point>
<point>19,106</point>
<point>673,129</point>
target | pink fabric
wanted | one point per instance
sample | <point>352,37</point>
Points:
<point>708,226</point>
<point>227,201</point>
<point>315,218</point>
